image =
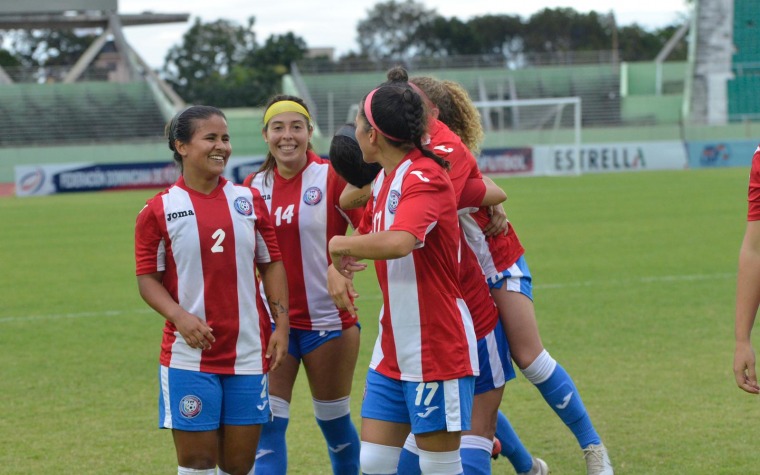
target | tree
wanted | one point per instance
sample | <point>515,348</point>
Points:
<point>564,30</point>
<point>390,27</point>
<point>444,37</point>
<point>498,34</point>
<point>278,52</point>
<point>208,49</point>
<point>220,63</point>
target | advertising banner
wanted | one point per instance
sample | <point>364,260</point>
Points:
<point>725,153</point>
<point>33,180</point>
<point>610,157</point>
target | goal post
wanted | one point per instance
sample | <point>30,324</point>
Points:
<point>543,125</point>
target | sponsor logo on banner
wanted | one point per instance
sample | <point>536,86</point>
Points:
<point>715,155</point>
<point>506,161</point>
<point>30,183</point>
<point>116,177</point>
<point>600,158</point>
<point>239,168</point>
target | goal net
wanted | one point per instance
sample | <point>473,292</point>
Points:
<point>535,136</point>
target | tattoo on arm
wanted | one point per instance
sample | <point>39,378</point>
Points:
<point>355,202</point>
<point>277,308</point>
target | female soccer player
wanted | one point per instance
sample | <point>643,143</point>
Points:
<point>748,286</point>
<point>301,192</point>
<point>421,376</point>
<point>198,246</point>
<point>493,350</point>
<point>501,257</point>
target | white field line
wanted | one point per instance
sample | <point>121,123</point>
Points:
<point>376,296</point>
<point>106,313</point>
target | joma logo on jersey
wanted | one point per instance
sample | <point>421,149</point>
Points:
<point>179,214</point>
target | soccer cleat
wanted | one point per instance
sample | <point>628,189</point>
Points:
<point>539,468</point>
<point>496,450</point>
<point>597,460</point>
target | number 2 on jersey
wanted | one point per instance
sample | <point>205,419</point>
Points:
<point>219,236</point>
<point>281,215</point>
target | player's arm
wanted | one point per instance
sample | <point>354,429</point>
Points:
<point>276,290</point>
<point>494,194</point>
<point>353,197</point>
<point>747,302</point>
<point>382,245</point>
<point>195,331</point>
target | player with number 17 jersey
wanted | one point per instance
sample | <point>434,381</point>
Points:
<point>305,214</point>
<point>426,331</point>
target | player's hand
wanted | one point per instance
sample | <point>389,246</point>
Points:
<point>498,223</point>
<point>744,368</point>
<point>196,332</point>
<point>347,265</point>
<point>278,346</point>
<point>341,290</point>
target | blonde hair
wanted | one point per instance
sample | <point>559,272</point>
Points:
<point>455,109</point>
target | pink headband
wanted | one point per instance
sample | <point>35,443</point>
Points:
<point>420,92</point>
<point>368,113</point>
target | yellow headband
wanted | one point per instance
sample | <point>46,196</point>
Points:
<point>285,106</point>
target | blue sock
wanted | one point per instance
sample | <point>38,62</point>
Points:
<point>511,445</point>
<point>272,452</point>
<point>334,419</point>
<point>342,443</point>
<point>476,455</point>
<point>559,391</point>
<point>409,461</point>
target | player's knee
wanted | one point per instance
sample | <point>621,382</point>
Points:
<point>442,463</point>
<point>379,459</point>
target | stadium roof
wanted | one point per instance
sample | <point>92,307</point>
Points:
<point>88,19</point>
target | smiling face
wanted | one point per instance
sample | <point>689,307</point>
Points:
<point>207,152</point>
<point>288,135</point>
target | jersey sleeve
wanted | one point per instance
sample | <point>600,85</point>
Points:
<point>267,249</point>
<point>420,203</point>
<point>149,243</point>
<point>753,195</point>
<point>337,184</point>
<point>472,195</point>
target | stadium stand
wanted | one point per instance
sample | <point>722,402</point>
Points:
<point>89,112</point>
<point>744,87</point>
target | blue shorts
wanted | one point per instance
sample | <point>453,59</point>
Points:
<point>427,407</point>
<point>517,279</point>
<point>196,401</point>
<point>495,361</point>
<point>303,342</point>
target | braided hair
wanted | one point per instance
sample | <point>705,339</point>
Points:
<point>386,102</point>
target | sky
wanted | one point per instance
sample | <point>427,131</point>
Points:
<point>324,24</point>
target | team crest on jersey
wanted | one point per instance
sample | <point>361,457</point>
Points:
<point>190,406</point>
<point>243,206</point>
<point>312,196</point>
<point>393,199</point>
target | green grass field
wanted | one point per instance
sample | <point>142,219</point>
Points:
<point>634,284</point>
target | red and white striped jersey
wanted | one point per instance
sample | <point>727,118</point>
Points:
<point>305,213</point>
<point>495,253</point>
<point>207,247</point>
<point>753,212</point>
<point>426,332</point>
<point>469,190</point>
